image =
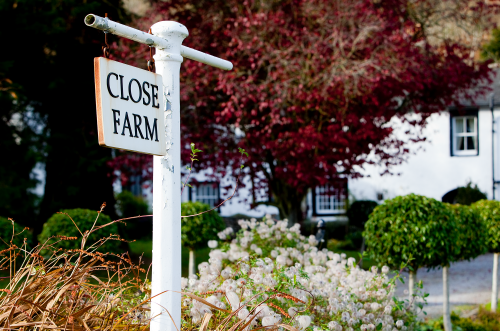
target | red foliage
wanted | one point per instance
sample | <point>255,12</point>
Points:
<point>314,85</point>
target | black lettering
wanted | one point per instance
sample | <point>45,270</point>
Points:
<point>155,95</point>
<point>148,129</point>
<point>115,120</point>
<point>130,90</point>
<point>109,87</point>
<point>121,88</point>
<point>126,125</point>
<point>137,126</point>
<point>146,93</point>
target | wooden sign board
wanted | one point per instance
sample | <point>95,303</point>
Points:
<point>130,107</point>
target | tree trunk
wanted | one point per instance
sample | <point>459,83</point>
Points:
<point>446,301</point>
<point>411,285</point>
<point>192,262</point>
<point>494,287</point>
<point>289,203</point>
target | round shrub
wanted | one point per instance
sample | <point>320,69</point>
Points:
<point>129,205</point>
<point>198,230</point>
<point>359,211</point>
<point>472,233</point>
<point>6,234</point>
<point>489,210</point>
<point>61,224</point>
<point>413,230</point>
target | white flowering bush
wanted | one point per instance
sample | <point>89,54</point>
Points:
<point>269,275</point>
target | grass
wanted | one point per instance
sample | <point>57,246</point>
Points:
<point>146,246</point>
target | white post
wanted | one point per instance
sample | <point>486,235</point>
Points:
<point>412,280</point>
<point>166,273</point>
<point>192,262</point>
<point>494,285</point>
<point>446,300</point>
<point>167,37</point>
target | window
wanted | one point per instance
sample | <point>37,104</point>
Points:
<point>206,192</point>
<point>330,199</point>
<point>464,138</point>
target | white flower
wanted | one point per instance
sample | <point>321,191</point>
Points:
<point>269,320</point>
<point>385,269</point>
<point>184,283</point>
<point>400,323</point>
<point>292,311</point>
<point>243,313</point>
<point>304,321</point>
<point>234,300</point>
<point>334,326</point>
<point>213,243</point>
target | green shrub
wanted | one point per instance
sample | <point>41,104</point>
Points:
<point>411,229</point>
<point>129,205</point>
<point>6,234</point>
<point>472,233</point>
<point>198,230</point>
<point>61,224</point>
<point>467,195</point>
<point>489,210</point>
<point>359,212</point>
<point>484,321</point>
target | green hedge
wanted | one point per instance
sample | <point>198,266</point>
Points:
<point>60,224</point>
<point>198,230</point>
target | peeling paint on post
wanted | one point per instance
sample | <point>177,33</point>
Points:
<point>166,273</point>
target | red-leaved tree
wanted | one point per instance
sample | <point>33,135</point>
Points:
<point>315,83</point>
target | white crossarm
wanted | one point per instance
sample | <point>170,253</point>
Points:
<point>107,25</point>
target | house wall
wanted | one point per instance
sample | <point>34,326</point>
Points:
<point>432,171</point>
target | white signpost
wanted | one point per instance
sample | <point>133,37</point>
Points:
<point>167,37</point>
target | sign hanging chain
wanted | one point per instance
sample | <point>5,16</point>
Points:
<point>105,49</point>
<point>151,61</point>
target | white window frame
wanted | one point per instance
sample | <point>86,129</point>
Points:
<point>212,198</point>
<point>465,135</point>
<point>336,203</point>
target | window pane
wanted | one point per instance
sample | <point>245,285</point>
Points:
<point>460,144</point>
<point>459,125</point>
<point>471,143</point>
<point>470,125</point>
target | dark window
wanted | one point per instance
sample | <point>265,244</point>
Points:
<point>330,199</point>
<point>208,193</point>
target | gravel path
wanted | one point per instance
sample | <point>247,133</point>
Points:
<point>470,284</point>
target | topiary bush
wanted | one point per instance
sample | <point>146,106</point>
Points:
<point>411,229</point>
<point>20,232</point>
<point>129,205</point>
<point>61,224</point>
<point>472,233</point>
<point>198,230</point>
<point>358,213</point>
<point>489,211</point>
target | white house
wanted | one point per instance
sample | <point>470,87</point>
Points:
<point>461,147</point>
